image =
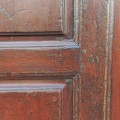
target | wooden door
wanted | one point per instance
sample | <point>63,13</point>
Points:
<point>57,61</point>
<point>39,60</point>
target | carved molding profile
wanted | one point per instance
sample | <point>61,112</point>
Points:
<point>36,17</point>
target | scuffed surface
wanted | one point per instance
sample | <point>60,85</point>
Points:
<point>30,15</point>
<point>93,38</point>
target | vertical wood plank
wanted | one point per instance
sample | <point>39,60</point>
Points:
<point>115,114</point>
<point>94,29</point>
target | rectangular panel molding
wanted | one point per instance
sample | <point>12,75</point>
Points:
<point>38,59</point>
<point>36,17</point>
<point>35,100</point>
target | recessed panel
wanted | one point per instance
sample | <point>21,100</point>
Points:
<point>34,16</point>
<point>36,100</point>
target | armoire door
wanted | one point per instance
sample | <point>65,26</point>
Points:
<point>39,60</point>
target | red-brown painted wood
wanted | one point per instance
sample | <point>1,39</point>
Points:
<point>44,55</point>
<point>38,60</point>
<point>32,14</point>
<point>93,32</point>
<point>116,65</point>
<point>38,100</point>
<point>36,17</point>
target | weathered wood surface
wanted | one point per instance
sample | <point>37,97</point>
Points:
<point>35,17</point>
<point>38,59</point>
<point>53,57</point>
<point>115,114</point>
<point>93,34</point>
<point>35,100</point>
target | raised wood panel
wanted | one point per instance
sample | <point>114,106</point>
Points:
<point>35,100</point>
<point>35,17</point>
<point>23,95</point>
<point>20,59</point>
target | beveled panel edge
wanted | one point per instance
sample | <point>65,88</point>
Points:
<point>30,87</point>
<point>62,87</point>
<point>64,24</point>
<point>42,45</point>
<point>66,49</point>
<point>32,33</point>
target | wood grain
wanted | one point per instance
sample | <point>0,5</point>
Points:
<point>50,52</point>
<point>116,65</point>
<point>93,33</point>
<point>38,60</point>
<point>36,17</point>
<point>35,59</point>
<point>39,100</point>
